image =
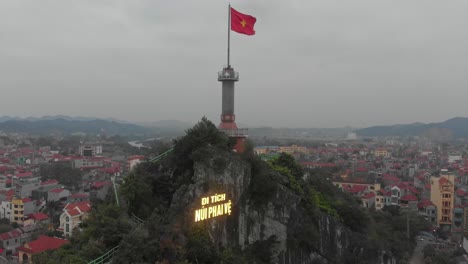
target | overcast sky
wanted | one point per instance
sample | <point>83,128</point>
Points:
<point>312,63</point>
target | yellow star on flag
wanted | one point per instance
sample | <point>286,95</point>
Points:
<point>243,23</point>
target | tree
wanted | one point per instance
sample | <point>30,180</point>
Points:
<point>105,224</point>
<point>199,247</point>
<point>63,173</point>
<point>202,135</point>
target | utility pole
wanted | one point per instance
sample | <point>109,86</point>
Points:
<point>407,224</point>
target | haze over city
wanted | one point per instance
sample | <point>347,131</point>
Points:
<point>311,63</point>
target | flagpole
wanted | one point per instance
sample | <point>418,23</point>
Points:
<point>229,35</point>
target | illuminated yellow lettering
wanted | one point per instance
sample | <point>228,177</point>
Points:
<point>203,214</point>
<point>213,210</point>
<point>220,209</point>
<point>210,211</point>
<point>229,207</point>
<point>197,215</point>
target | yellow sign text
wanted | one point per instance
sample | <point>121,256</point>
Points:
<point>213,206</point>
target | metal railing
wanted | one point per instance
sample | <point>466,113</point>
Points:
<point>240,132</point>
<point>106,257</point>
<point>137,220</point>
<point>226,75</point>
<point>161,156</point>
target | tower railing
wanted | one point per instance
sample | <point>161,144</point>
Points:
<point>239,132</point>
<point>228,75</point>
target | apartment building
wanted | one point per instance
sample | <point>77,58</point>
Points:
<point>442,196</point>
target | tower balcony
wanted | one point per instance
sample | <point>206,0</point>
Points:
<point>228,74</point>
<point>239,132</point>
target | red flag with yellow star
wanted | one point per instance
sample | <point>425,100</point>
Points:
<point>242,23</point>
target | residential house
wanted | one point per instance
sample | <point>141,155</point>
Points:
<point>11,240</point>
<point>57,194</point>
<point>293,149</point>
<point>465,221</point>
<point>25,183</point>
<point>395,195</point>
<point>6,206</point>
<point>99,190</point>
<point>43,191</point>
<point>379,200</point>
<point>409,201</point>
<point>368,200</point>
<point>42,244</point>
<point>28,233</point>
<point>134,160</point>
<point>5,210</point>
<point>78,197</point>
<point>428,210</point>
<point>381,152</point>
<point>22,207</point>
<point>373,187</point>
<point>36,218</point>
<point>87,163</point>
<point>72,216</point>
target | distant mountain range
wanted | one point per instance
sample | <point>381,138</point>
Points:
<point>60,124</point>
<point>453,128</point>
<point>64,126</point>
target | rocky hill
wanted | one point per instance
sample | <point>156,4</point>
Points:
<point>275,214</point>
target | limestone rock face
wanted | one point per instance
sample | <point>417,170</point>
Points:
<point>282,216</point>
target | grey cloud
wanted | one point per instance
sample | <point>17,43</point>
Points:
<point>312,63</point>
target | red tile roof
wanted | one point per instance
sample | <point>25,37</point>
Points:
<point>425,203</point>
<point>26,200</point>
<point>368,195</point>
<point>24,174</point>
<point>38,216</point>
<point>10,234</point>
<point>319,164</point>
<point>101,184</point>
<point>391,178</point>
<point>427,186</point>
<point>460,192</point>
<point>361,169</point>
<point>413,189</point>
<point>443,180</point>
<point>136,157</point>
<point>409,197</point>
<point>402,185</point>
<point>49,182</point>
<point>79,195</point>
<point>77,208</point>
<point>357,188</point>
<point>421,178</point>
<point>57,190</point>
<point>43,243</point>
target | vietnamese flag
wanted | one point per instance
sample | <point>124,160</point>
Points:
<point>242,23</point>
